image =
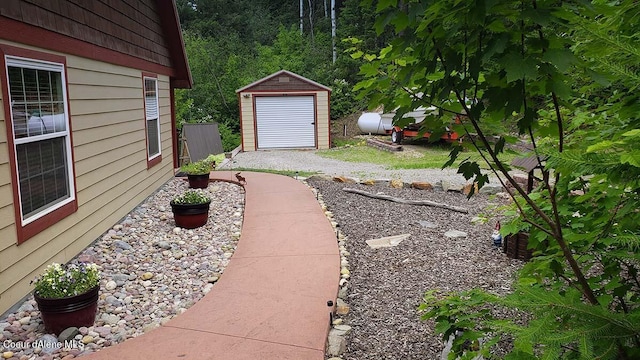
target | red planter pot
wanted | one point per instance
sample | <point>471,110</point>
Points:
<point>198,181</point>
<point>59,314</point>
<point>190,216</point>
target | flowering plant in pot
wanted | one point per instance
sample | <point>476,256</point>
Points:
<point>198,173</point>
<point>67,295</point>
<point>191,209</point>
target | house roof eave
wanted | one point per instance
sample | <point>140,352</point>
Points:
<point>173,33</point>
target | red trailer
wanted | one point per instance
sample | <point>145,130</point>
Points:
<point>412,130</point>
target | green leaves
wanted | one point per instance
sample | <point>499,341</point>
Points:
<point>518,68</point>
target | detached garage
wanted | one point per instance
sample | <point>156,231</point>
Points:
<point>284,111</point>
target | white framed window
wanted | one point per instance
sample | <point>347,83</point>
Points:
<point>41,136</point>
<point>152,117</point>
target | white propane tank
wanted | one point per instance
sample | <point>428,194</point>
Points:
<point>373,123</point>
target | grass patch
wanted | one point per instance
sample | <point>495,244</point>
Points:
<point>431,156</point>
<point>348,142</point>
<point>290,173</point>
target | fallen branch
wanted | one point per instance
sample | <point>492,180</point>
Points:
<point>408,202</point>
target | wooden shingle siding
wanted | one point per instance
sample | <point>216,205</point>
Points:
<point>108,127</point>
<point>284,83</point>
<point>129,27</point>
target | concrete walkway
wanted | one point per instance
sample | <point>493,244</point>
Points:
<point>271,301</point>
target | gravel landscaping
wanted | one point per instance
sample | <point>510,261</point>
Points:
<point>386,285</point>
<point>151,272</point>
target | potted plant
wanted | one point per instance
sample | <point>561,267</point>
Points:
<point>67,295</point>
<point>198,173</point>
<point>191,209</point>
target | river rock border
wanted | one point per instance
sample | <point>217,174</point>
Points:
<point>151,271</point>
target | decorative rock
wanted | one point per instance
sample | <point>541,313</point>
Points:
<point>25,307</point>
<point>7,354</point>
<point>147,276</point>
<point>396,184</point>
<point>427,224</point>
<point>491,189</point>
<point>455,234</point>
<point>343,329</point>
<point>149,327</point>
<point>110,285</point>
<point>467,188</point>
<point>421,185</point>
<point>86,258</point>
<point>163,245</point>
<point>447,186</point>
<point>344,179</point>
<point>341,307</point>
<point>337,321</point>
<point>369,182</point>
<point>388,241</point>
<point>343,291</point>
<point>68,334</point>
<point>337,344</point>
<point>110,319</point>
<point>104,331</point>
<point>175,285</point>
<point>48,343</point>
<point>344,271</point>
<point>122,245</point>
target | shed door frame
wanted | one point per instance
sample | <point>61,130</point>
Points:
<point>284,96</point>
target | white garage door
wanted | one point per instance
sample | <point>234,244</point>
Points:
<point>285,122</point>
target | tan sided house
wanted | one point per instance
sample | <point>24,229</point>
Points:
<point>86,123</point>
<point>284,111</point>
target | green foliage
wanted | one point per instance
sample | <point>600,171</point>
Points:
<point>59,281</point>
<point>191,197</point>
<point>230,45</point>
<point>230,139</point>
<point>536,68</point>
<point>215,159</point>
<point>343,100</point>
<point>201,167</point>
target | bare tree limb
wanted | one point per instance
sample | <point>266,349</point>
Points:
<point>408,202</point>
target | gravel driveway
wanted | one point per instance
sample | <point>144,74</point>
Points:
<point>308,160</point>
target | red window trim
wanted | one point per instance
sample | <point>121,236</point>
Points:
<point>27,231</point>
<point>158,159</point>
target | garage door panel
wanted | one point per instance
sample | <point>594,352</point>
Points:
<point>285,122</point>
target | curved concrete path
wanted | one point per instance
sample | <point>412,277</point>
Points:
<point>271,301</point>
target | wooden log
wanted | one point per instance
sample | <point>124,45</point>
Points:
<point>408,202</point>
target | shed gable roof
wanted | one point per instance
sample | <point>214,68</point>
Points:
<point>283,80</point>
<point>147,30</point>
